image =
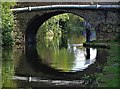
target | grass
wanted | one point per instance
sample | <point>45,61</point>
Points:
<point>109,77</point>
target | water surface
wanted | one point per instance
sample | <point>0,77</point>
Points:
<point>53,61</point>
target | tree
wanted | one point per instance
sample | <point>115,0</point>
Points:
<point>7,23</point>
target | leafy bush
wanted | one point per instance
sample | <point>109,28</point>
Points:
<point>7,23</point>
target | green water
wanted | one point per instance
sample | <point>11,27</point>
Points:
<point>62,52</point>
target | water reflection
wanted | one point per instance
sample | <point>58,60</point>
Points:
<point>50,63</point>
<point>32,72</point>
<point>66,54</point>
<point>84,59</point>
<point>27,69</point>
<point>55,82</point>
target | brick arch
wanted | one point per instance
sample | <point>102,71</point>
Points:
<point>36,21</point>
<point>34,24</point>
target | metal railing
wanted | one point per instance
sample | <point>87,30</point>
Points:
<point>80,7</point>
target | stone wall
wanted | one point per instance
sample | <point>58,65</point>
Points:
<point>108,32</point>
<point>107,23</point>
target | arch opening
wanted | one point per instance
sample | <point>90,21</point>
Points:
<point>36,22</point>
<point>60,37</point>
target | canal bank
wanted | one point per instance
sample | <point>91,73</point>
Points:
<point>110,76</point>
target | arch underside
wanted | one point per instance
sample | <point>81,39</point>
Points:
<point>36,22</point>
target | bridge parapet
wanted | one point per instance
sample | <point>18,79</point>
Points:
<point>102,20</point>
<point>25,4</point>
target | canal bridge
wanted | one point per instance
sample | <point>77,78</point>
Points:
<point>104,17</point>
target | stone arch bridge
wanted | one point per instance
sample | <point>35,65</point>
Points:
<point>105,18</point>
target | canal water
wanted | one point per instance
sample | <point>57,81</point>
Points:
<point>53,61</point>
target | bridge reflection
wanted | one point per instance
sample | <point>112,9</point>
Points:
<point>31,65</point>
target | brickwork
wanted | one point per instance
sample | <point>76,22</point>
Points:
<point>27,23</point>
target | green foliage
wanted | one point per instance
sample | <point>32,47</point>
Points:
<point>50,53</point>
<point>109,77</point>
<point>7,68</point>
<point>62,24</point>
<point>7,23</point>
<point>53,38</point>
